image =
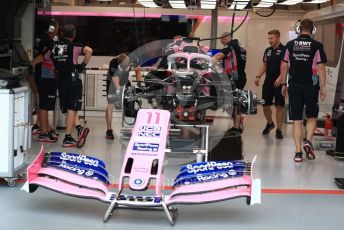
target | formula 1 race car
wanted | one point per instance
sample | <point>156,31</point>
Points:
<point>190,85</point>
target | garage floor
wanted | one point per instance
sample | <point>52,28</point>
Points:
<point>294,195</point>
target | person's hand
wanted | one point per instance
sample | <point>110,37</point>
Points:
<point>284,90</point>
<point>176,48</point>
<point>80,67</point>
<point>322,93</point>
<point>256,82</point>
<point>277,82</point>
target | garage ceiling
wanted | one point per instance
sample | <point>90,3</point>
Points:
<point>304,5</point>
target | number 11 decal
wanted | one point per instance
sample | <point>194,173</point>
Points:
<point>150,116</point>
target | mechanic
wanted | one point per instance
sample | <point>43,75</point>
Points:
<point>272,88</point>
<point>46,82</point>
<point>118,76</point>
<point>65,57</point>
<point>307,77</point>
<point>234,62</point>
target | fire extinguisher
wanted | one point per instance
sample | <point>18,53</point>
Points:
<point>328,125</point>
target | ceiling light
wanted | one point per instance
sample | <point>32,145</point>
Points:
<point>177,4</point>
<point>148,3</point>
<point>238,5</point>
<point>208,4</point>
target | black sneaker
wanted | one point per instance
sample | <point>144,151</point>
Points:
<point>298,157</point>
<point>82,131</point>
<point>109,135</point>
<point>35,130</point>
<point>308,147</point>
<point>69,142</point>
<point>54,134</point>
<point>46,137</point>
<point>339,182</point>
<point>82,134</point>
<point>234,130</point>
<point>279,134</point>
<point>268,128</point>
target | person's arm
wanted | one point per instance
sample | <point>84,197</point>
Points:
<point>138,74</point>
<point>321,60</point>
<point>262,70</point>
<point>322,77</point>
<point>115,81</point>
<point>38,59</point>
<point>87,51</point>
<point>219,56</point>
<point>284,73</point>
<point>284,70</point>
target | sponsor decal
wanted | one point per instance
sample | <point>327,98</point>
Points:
<point>76,170</point>
<point>146,147</point>
<point>79,171</point>
<point>208,166</point>
<point>201,178</point>
<point>301,57</point>
<point>302,43</point>
<point>79,159</point>
<point>149,131</point>
<point>138,181</point>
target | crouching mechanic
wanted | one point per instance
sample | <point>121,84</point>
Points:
<point>118,76</point>
<point>65,55</point>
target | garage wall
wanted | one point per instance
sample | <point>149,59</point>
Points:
<point>252,35</point>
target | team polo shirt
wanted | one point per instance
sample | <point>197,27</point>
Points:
<point>46,68</point>
<point>235,59</point>
<point>116,71</point>
<point>273,57</point>
<point>303,55</point>
<point>65,54</point>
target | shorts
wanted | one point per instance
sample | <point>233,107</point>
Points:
<point>300,96</point>
<point>70,93</point>
<point>110,90</point>
<point>46,92</point>
<point>270,93</point>
<point>240,83</point>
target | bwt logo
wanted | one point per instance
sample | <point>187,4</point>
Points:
<point>302,43</point>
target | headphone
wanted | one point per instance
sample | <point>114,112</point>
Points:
<point>298,28</point>
<point>52,26</point>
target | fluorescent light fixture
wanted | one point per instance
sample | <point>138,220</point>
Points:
<point>264,4</point>
<point>238,5</point>
<point>148,3</point>
<point>317,1</point>
<point>290,2</point>
<point>208,4</point>
<point>268,1</point>
<point>177,4</point>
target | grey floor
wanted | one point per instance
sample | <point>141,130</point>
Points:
<point>295,196</point>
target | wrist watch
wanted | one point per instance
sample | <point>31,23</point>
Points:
<point>283,83</point>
